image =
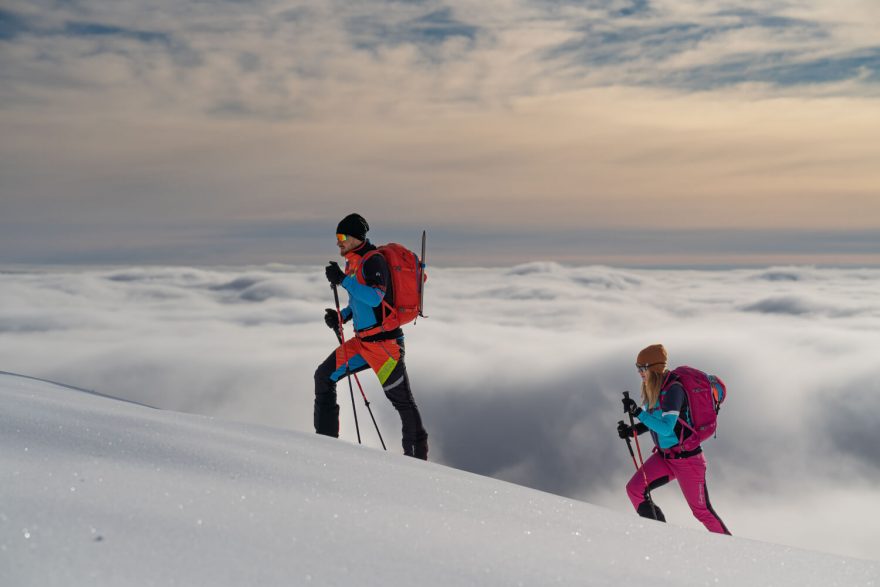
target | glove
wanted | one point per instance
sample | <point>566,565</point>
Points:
<point>624,430</point>
<point>334,273</point>
<point>631,407</point>
<point>332,319</point>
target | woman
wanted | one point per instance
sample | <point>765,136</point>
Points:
<point>664,402</point>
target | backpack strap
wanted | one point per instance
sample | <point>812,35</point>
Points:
<point>388,311</point>
<point>360,269</point>
<point>672,378</point>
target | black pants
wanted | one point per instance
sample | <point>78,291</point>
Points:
<point>397,390</point>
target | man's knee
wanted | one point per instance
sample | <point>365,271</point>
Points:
<point>324,383</point>
<point>325,370</point>
<point>397,390</point>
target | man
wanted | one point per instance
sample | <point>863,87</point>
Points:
<point>378,340</point>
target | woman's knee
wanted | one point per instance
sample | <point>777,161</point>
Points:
<point>635,489</point>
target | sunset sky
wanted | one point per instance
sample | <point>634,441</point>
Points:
<point>636,132</point>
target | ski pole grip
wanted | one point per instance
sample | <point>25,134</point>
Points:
<point>626,397</point>
<point>339,336</point>
<point>335,295</point>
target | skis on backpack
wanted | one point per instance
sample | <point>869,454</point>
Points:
<point>422,266</point>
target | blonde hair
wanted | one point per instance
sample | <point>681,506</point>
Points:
<point>651,388</point>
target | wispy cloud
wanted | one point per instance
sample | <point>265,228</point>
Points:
<point>300,50</point>
<point>423,30</point>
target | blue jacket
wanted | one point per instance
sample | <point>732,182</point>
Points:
<point>368,285</point>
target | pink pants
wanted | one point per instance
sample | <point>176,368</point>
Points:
<point>691,475</point>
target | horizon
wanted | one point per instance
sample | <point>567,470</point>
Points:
<point>318,266</point>
<point>459,248</point>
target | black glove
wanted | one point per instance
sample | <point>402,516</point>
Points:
<point>331,317</point>
<point>631,407</point>
<point>334,273</point>
<point>624,430</point>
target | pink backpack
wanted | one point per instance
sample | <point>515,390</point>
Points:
<point>705,394</point>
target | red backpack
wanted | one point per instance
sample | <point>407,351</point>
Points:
<point>407,277</point>
<point>705,394</point>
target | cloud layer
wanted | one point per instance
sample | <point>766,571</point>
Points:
<point>518,371</point>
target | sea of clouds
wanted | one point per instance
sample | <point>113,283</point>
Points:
<point>518,371</point>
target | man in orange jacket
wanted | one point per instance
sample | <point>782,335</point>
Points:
<point>368,284</point>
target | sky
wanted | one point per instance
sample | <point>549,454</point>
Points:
<point>102,492</point>
<point>637,133</point>
<point>518,372</point>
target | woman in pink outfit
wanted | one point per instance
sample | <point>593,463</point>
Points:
<point>664,406</point>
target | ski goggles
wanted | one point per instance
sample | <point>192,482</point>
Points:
<point>643,368</point>
<point>341,238</point>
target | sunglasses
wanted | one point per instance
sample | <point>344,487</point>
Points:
<point>341,238</point>
<point>644,368</point>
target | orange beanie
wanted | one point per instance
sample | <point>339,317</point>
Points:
<point>655,356</point>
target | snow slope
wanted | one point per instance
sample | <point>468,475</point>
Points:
<point>97,491</point>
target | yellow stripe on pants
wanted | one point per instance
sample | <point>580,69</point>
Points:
<point>385,372</point>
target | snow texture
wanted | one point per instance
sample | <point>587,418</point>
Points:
<point>97,491</point>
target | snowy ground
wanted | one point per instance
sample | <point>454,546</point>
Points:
<point>97,491</point>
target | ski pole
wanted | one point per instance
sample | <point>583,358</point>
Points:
<point>632,424</point>
<point>367,403</point>
<point>629,446</point>
<point>341,335</point>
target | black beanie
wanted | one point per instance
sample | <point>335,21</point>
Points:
<point>354,225</point>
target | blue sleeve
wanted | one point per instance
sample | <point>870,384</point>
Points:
<point>372,296</point>
<point>663,421</point>
<point>346,313</point>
